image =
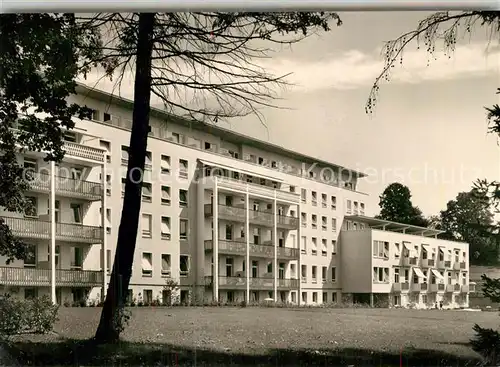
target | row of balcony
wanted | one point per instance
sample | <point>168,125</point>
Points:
<point>33,277</point>
<point>431,263</point>
<point>228,183</point>
<point>235,283</point>
<point>239,248</point>
<point>78,151</point>
<point>65,186</point>
<point>262,218</point>
<point>32,228</point>
<point>439,287</point>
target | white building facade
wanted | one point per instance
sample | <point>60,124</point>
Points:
<point>228,217</point>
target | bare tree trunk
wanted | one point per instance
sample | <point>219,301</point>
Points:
<point>108,329</point>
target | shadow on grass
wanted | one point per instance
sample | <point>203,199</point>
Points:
<point>85,353</point>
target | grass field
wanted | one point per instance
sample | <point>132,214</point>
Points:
<point>262,336</point>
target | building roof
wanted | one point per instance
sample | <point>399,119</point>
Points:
<point>225,134</point>
<point>394,226</point>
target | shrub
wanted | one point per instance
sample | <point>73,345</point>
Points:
<point>487,343</point>
<point>36,315</point>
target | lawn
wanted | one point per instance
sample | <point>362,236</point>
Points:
<point>262,336</point>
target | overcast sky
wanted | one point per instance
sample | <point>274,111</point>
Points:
<point>429,128</point>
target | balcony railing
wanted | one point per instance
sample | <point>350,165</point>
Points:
<point>255,283</point>
<point>408,261</point>
<point>41,277</point>
<point>66,186</point>
<point>459,265</point>
<point>419,287</point>
<point>261,217</point>
<point>453,288</point>
<point>428,263</point>
<point>471,288</point>
<point>437,287</point>
<point>239,248</point>
<point>398,287</point>
<point>84,151</point>
<point>78,150</point>
<point>255,189</point>
<point>444,264</point>
<point>38,229</point>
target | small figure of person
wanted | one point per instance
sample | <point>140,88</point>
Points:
<point>441,305</point>
<point>437,306</point>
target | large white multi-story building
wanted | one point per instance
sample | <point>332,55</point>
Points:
<point>228,217</point>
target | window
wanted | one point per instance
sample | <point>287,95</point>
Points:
<point>324,247</point>
<point>314,273</point>
<point>146,225</point>
<point>348,207</point>
<point>183,229</point>
<point>381,249</point>
<point>293,271</point>
<point>229,266</point>
<point>303,244</point>
<point>396,275</point>
<point>334,224</point>
<point>380,275</point>
<point>361,208</point>
<point>314,219</point>
<point>123,186</point>
<point>303,273</point>
<point>183,198</point>
<point>108,260</point>
<point>323,200</point>
<point>165,195</point>
<point>125,154</point>
<point>325,297</point>
<point>76,173</point>
<point>281,271</point>
<point>76,257</point>
<point>70,137</point>
<point>30,293</point>
<point>334,247</point>
<point>210,146</point>
<point>165,164</point>
<point>324,222</point>
<point>303,217</point>
<point>76,209</point>
<point>314,197</point>
<point>314,249</point>
<point>315,297</point>
<point>30,259</point>
<point>303,195</point>
<point>30,168</point>
<point>148,162</point>
<point>146,192</point>
<point>32,209</point>
<point>184,265</point>
<point>165,228</point>
<point>334,274</point>
<point>334,202</point>
<point>255,269</point>
<point>106,146</point>
<point>256,236</point>
<point>323,273</point>
<point>304,297</point>
<point>269,267</point>
<point>229,232</point>
<point>397,251</point>
<point>147,264</point>
<point>183,168</point>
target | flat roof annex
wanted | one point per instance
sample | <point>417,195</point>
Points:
<point>394,226</point>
